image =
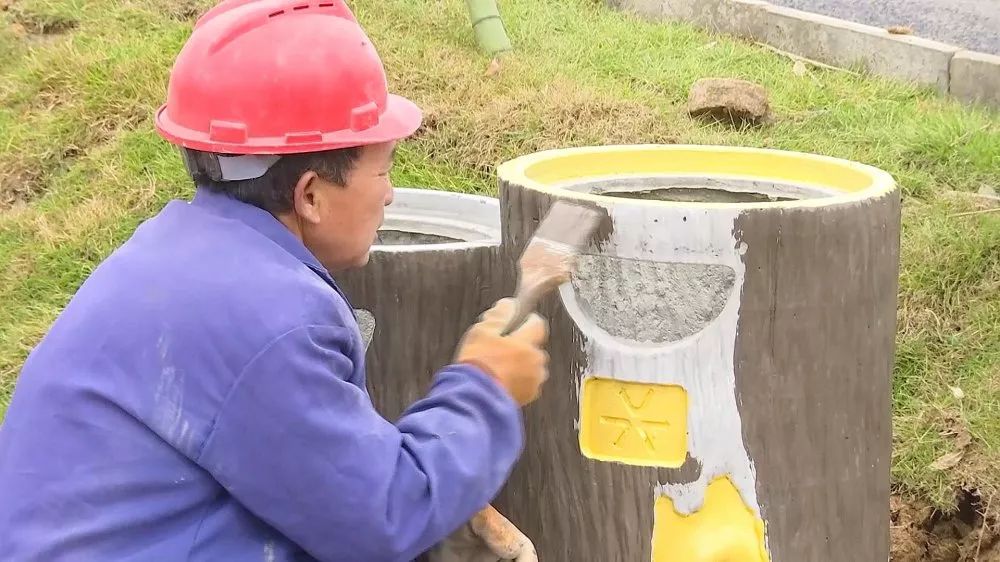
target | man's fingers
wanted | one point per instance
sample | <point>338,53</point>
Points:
<point>527,555</point>
<point>534,330</point>
<point>501,312</point>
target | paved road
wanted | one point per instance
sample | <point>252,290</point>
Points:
<point>971,24</point>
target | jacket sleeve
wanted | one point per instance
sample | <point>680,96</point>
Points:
<point>306,452</point>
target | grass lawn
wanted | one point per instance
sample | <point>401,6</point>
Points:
<point>80,164</point>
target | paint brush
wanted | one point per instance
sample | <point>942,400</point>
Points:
<point>550,257</point>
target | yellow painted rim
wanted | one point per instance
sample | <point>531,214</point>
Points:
<point>544,171</point>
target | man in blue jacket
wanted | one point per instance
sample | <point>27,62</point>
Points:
<point>202,397</point>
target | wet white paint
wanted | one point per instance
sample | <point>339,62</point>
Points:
<point>702,363</point>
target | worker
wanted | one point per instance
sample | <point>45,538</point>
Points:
<point>202,396</point>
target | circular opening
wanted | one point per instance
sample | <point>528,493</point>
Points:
<point>699,195</point>
<point>693,189</point>
<point>426,217</point>
<point>699,175</point>
<point>390,237</point>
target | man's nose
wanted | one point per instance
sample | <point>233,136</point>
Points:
<point>389,195</point>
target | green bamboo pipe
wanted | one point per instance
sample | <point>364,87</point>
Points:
<point>488,27</point>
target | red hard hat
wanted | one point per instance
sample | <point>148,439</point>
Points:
<point>280,77</point>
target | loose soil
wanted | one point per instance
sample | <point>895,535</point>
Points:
<point>920,533</point>
<point>42,24</point>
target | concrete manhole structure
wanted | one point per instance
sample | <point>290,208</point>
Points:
<point>721,362</point>
<point>430,275</point>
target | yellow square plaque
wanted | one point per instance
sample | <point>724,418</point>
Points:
<point>635,423</point>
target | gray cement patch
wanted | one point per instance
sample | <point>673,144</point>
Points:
<point>651,301</point>
<point>698,189</point>
<point>698,195</point>
<point>366,324</point>
<point>389,237</point>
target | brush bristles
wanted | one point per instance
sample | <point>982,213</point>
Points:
<point>569,223</point>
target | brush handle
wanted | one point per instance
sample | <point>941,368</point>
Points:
<point>530,290</point>
<point>523,307</point>
<point>550,256</point>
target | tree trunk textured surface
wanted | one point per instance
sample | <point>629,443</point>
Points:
<point>812,362</point>
<point>423,301</point>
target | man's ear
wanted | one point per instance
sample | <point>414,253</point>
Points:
<point>306,198</point>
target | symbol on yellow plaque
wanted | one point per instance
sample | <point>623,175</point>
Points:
<point>724,529</point>
<point>633,422</point>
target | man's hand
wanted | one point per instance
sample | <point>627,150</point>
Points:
<point>488,537</point>
<point>516,361</point>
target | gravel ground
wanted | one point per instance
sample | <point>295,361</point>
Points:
<point>970,24</point>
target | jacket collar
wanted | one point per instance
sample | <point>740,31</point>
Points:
<point>264,223</point>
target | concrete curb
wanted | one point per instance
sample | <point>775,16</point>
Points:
<point>969,76</point>
<point>975,77</point>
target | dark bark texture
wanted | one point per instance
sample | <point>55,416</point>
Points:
<point>814,355</point>
<point>423,302</point>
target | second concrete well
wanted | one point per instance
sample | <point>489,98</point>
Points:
<point>720,365</point>
<point>430,275</point>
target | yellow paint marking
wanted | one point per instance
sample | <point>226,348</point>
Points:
<point>634,423</point>
<point>723,530</point>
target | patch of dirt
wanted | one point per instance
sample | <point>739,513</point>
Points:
<point>189,10</point>
<point>41,24</point>
<point>19,186</point>
<point>429,124</point>
<point>24,181</point>
<point>920,533</point>
<point>476,127</point>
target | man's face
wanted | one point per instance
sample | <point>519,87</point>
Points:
<point>342,221</point>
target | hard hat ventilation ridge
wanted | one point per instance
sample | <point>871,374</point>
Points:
<point>301,7</point>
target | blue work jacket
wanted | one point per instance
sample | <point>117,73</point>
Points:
<point>202,398</point>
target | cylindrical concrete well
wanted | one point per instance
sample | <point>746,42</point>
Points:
<point>720,363</point>
<point>430,275</point>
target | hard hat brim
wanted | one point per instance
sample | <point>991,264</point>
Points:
<point>400,119</point>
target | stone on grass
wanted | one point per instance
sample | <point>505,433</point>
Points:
<point>728,100</point>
